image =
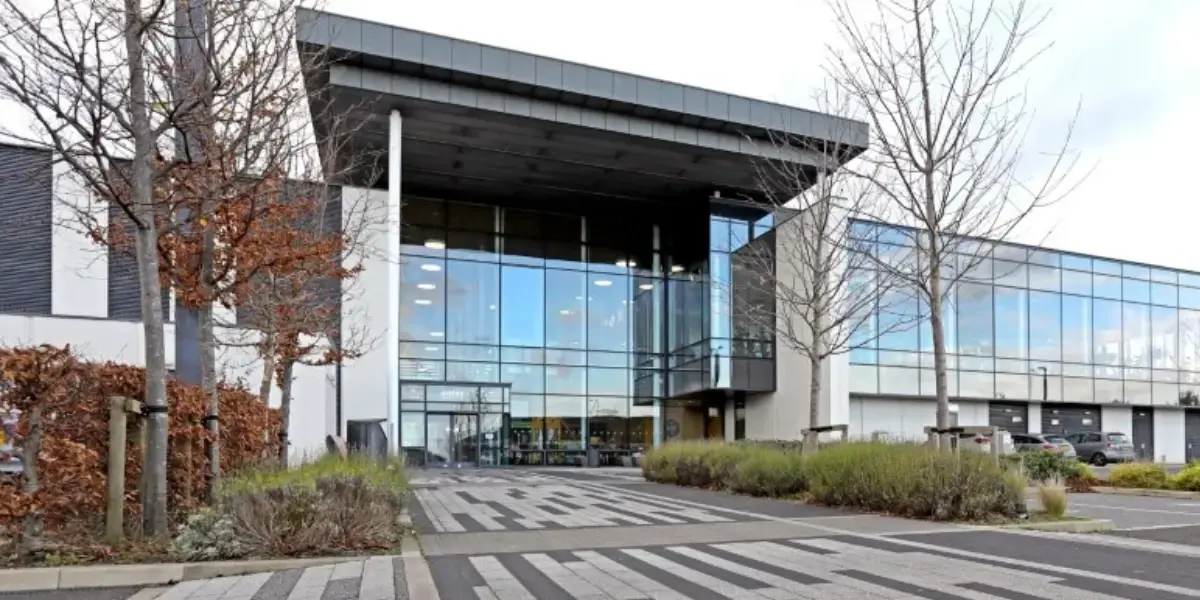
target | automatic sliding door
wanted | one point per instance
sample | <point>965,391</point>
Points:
<point>439,445</point>
<point>466,438</point>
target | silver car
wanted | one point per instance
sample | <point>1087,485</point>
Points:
<point>1047,442</point>
<point>1102,447</point>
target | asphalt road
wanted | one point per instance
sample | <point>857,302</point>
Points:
<point>1136,512</point>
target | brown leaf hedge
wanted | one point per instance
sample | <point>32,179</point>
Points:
<point>72,396</point>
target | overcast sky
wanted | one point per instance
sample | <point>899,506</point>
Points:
<point>1134,65</point>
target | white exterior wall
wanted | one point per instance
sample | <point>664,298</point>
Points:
<point>1117,418</point>
<point>784,413</point>
<point>904,419</point>
<point>970,414</point>
<point>79,280</point>
<point>1035,417</point>
<point>1170,443</point>
<point>367,381</point>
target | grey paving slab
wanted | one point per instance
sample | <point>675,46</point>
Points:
<point>719,500</point>
<point>764,570</point>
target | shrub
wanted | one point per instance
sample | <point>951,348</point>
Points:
<point>325,506</point>
<point>1042,466</point>
<point>770,473</point>
<point>1139,475</point>
<point>207,535</point>
<point>695,464</point>
<point>1053,498</point>
<point>1187,480</point>
<point>913,481</point>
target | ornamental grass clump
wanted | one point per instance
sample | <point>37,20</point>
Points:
<point>328,506</point>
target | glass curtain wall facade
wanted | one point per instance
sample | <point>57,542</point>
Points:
<point>563,311</point>
<point>718,330</point>
<point>1037,325</point>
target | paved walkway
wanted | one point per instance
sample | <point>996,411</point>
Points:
<point>605,535</point>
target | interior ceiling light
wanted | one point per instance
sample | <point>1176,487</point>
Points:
<point>676,268</point>
<point>646,286</point>
<point>431,267</point>
<point>432,349</point>
<point>564,312</point>
<point>627,263</point>
<point>603,282</point>
<point>436,334</point>
<point>422,301</point>
<point>435,244</point>
<point>426,286</point>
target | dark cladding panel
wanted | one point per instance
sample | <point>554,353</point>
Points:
<point>124,291</point>
<point>26,226</point>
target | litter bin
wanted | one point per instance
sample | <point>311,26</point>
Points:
<point>593,457</point>
<point>367,437</point>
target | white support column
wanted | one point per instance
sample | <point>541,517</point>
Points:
<point>392,342</point>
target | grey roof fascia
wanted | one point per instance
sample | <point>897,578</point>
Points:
<point>374,45</point>
<point>486,100</point>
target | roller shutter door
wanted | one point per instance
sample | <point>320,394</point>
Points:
<point>1070,418</point>
<point>1012,417</point>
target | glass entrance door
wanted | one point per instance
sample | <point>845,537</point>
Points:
<point>452,439</point>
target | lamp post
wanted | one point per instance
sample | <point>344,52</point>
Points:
<point>1045,382</point>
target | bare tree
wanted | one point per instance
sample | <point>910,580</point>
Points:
<point>811,281</point>
<point>937,81</point>
<point>81,71</point>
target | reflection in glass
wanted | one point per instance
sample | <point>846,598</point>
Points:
<point>1012,323</point>
<point>975,319</point>
<point>1106,333</point>
<point>472,302</point>
<point>1189,340</point>
<point>899,309</point>
<point>422,299</point>
<point>566,305</point>
<point>608,313</point>
<point>1045,326</point>
<point>1137,343</point>
<point>522,320</point>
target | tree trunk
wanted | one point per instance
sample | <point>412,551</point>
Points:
<point>814,389</point>
<point>285,409</point>
<point>208,371</point>
<point>154,503</point>
<point>939,351</point>
<point>268,375</point>
<point>32,538</point>
<point>208,362</point>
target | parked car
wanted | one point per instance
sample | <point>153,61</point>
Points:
<point>1101,448</point>
<point>983,443</point>
<point>1034,442</point>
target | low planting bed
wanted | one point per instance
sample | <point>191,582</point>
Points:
<point>330,507</point>
<point>1153,476</point>
<point>907,480</point>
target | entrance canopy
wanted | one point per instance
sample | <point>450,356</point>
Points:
<point>481,121</point>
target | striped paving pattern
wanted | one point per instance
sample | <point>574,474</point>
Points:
<point>459,509</point>
<point>377,578</point>
<point>808,568</point>
<point>472,477</point>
